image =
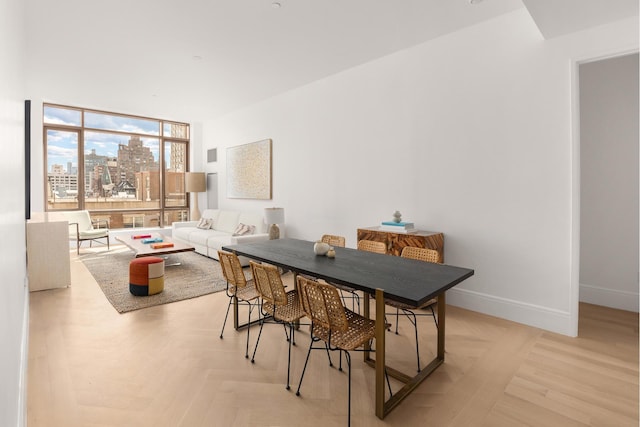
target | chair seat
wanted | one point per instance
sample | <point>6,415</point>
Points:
<point>403,306</point>
<point>93,234</point>
<point>359,331</point>
<point>288,313</point>
<point>245,293</point>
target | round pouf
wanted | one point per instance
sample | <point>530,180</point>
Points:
<point>146,276</point>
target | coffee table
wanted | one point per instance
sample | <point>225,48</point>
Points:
<point>145,249</point>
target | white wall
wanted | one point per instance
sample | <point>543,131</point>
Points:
<point>609,184</point>
<point>469,134</point>
<point>13,290</point>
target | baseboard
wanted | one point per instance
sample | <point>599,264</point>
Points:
<point>516,311</point>
<point>24,359</point>
<point>613,298</point>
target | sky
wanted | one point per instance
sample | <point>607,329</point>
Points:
<point>62,145</point>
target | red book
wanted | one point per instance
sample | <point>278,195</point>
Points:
<point>141,236</point>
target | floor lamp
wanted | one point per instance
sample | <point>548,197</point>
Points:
<point>273,217</point>
<point>195,182</point>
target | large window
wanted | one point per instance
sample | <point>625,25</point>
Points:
<point>127,169</point>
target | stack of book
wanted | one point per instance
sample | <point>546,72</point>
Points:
<point>398,227</point>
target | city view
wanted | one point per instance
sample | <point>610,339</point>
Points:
<point>120,174</point>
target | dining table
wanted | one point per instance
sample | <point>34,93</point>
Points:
<point>400,279</point>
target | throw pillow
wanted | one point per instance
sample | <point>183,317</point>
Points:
<point>243,229</point>
<point>205,223</point>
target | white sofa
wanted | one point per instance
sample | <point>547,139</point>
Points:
<point>208,242</point>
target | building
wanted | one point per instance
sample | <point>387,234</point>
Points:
<point>474,131</point>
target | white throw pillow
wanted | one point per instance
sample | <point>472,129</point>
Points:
<point>205,223</point>
<point>243,229</point>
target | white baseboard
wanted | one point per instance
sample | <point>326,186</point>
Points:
<point>24,355</point>
<point>613,298</point>
<point>516,311</point>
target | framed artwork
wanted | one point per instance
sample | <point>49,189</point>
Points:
<point>249,171</point>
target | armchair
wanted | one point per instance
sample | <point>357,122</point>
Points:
<point>82,227</point>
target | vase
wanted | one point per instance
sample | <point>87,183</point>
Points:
<point>321,248</point>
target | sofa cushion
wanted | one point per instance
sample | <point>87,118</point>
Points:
<point>227,221</point>
<point>201,237</point>
<point>257,220</point>
<point>205,223</point>
<point>183,233</point>
<point>211,213</point>
<point>243,229</point>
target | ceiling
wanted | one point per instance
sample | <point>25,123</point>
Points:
<point>195,59</point>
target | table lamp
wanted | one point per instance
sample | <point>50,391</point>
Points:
<point>273,217</point>
<point>195,182</point>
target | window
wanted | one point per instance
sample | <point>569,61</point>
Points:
<point>124,168</point>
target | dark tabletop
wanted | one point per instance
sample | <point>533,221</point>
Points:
<point>405,280</point>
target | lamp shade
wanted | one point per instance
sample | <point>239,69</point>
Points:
<point>274,215</point>
<point>195,182</point>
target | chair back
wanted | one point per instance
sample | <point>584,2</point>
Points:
<point>82,218</point>
<point>421,254</point>
<point>232,269</point>
<point>372,246</point>
<point>324,304</point>
<point>334,240</point>
<point>269,283</point>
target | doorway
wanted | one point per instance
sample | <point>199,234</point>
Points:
<point>609,183</point>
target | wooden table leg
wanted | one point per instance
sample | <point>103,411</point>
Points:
<point>366,313</point>
<point>441,325</point>
<point>380,353</point>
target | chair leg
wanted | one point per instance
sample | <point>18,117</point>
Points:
<point>258,340</point>
<point>397,312</point>
<point>348,357</point>
<point>433,313</point>
<point>225,316</point>
<point>413,319</point>
<point>326,346</point>
<point>289,356</point>
<point>305,364</point>
<point>246,353</point>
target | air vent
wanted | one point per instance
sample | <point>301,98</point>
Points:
<point>212,155</point>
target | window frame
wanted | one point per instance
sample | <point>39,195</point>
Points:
<point>163,210</point>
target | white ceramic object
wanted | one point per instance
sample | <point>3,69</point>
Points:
<point>321,248</point>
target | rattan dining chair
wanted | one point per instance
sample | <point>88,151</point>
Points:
<point>340,241</point>
<point>278,305</point>
<point>333,240</point>
<point>421,254</point>
<point>336,326</point>
<point>240,288</point>
<point>372,246</point>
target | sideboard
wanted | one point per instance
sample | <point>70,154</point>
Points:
<point>48,259</point>
<point>397,241</point>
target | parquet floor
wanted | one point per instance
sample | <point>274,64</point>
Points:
<point>166,366</point>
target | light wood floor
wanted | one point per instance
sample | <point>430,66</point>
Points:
<point>167,366</point>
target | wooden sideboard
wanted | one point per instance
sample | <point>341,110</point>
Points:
<point>397,241</point>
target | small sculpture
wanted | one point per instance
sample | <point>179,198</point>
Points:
<point>321,248</point>
<point>397,216</point>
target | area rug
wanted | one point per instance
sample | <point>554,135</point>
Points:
<point>196,275</point>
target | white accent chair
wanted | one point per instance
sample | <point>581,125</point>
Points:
<point>82,227</point>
